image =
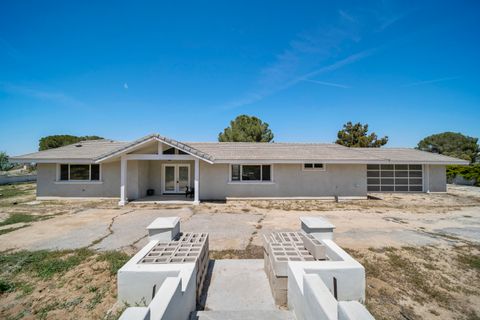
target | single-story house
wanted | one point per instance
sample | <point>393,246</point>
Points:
<point>223,170</point>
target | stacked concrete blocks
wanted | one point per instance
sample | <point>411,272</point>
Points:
<point>279,249</point>
<point>188,248</point>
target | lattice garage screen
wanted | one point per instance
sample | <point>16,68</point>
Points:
<point>395,177</point>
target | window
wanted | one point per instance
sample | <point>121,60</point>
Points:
<point>235,172</point>
<point>314,166</point>
<point>173,151</point>
<point>79,172</point>
<point>169,151</point>
<point>251,172</point>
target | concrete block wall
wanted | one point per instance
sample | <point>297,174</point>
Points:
<point>166,277</point>
<point>333,288</point>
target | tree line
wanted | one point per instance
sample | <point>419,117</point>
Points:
<point>245,128</point>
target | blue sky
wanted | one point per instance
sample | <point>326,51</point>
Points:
<point>123,69</point>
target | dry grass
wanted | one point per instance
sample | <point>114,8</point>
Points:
<point>76,284</point>
<point>422,282</point>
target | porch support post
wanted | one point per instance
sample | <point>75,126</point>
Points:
<point>123,181</point>
<point>197,184</point>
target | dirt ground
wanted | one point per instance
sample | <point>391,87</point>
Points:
<point>421,251</point>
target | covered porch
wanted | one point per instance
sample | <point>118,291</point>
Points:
<point>158,170</point>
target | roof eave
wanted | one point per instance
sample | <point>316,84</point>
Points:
<point>51,160</point>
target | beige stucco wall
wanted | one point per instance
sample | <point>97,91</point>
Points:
<point>141,175</point>
<point>47,186</point>
<point>289,181</point>
<point>437,178</point>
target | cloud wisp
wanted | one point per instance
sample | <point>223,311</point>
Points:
<point>257,96</point>
<point>328,84</point>
<point>315,52</point>
<point>55,97</point>
<point>419,83</point>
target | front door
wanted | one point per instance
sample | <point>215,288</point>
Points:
<point>176,177</point>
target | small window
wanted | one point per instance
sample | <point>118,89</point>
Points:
<point>235,172</point>
<point>64,172</point>
<point>169,151</point>
<point>95,172</point>
<point>314,166</point>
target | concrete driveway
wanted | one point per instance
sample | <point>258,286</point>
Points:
<point>236,227</point>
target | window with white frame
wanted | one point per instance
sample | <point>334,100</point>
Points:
<point>79,172</point>
<point>314,166</point>
<point>251,172</point>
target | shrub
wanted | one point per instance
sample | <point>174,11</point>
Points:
<point>471,172</point>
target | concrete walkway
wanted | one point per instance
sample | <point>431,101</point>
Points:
<point>239,285</point>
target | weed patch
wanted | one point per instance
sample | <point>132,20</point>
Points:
<point>43,263</point>
<point>115,259</point>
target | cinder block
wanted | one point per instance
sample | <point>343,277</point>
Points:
<point>164,229</point>
<point>315,247</point>
<point>317,226</point>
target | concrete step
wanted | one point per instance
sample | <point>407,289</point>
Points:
<point>243,315</point>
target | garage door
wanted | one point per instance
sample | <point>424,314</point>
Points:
<point>395,177</point>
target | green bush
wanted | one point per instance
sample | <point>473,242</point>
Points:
<point>471,172</point>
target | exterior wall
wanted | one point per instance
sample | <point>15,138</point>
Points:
<point>289,180</point>
<point>137,179</point>
<point>48,187</point>
<point>437,178</point>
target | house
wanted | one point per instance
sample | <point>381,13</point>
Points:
<point>223,170</point>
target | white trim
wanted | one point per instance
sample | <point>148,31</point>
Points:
<point>258,161</point>
<point>138,156</point>
<point>196,186</point>
<point>426,178</point>
<point>123,181</point>
<point>323,168</point>
<point>136,146</point>
<point>78,182</point>
<point>63,160</point>
<point>45,198</point>
<point>324,198</point>
<point>251,182</point>
<point>333,161</point>
<point>176,178</point>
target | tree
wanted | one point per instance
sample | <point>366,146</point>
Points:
<point>451,144</point>
<point>355,135</point>
<point>5,164</point>
<point>56,141</point>
<point>246,129</point>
